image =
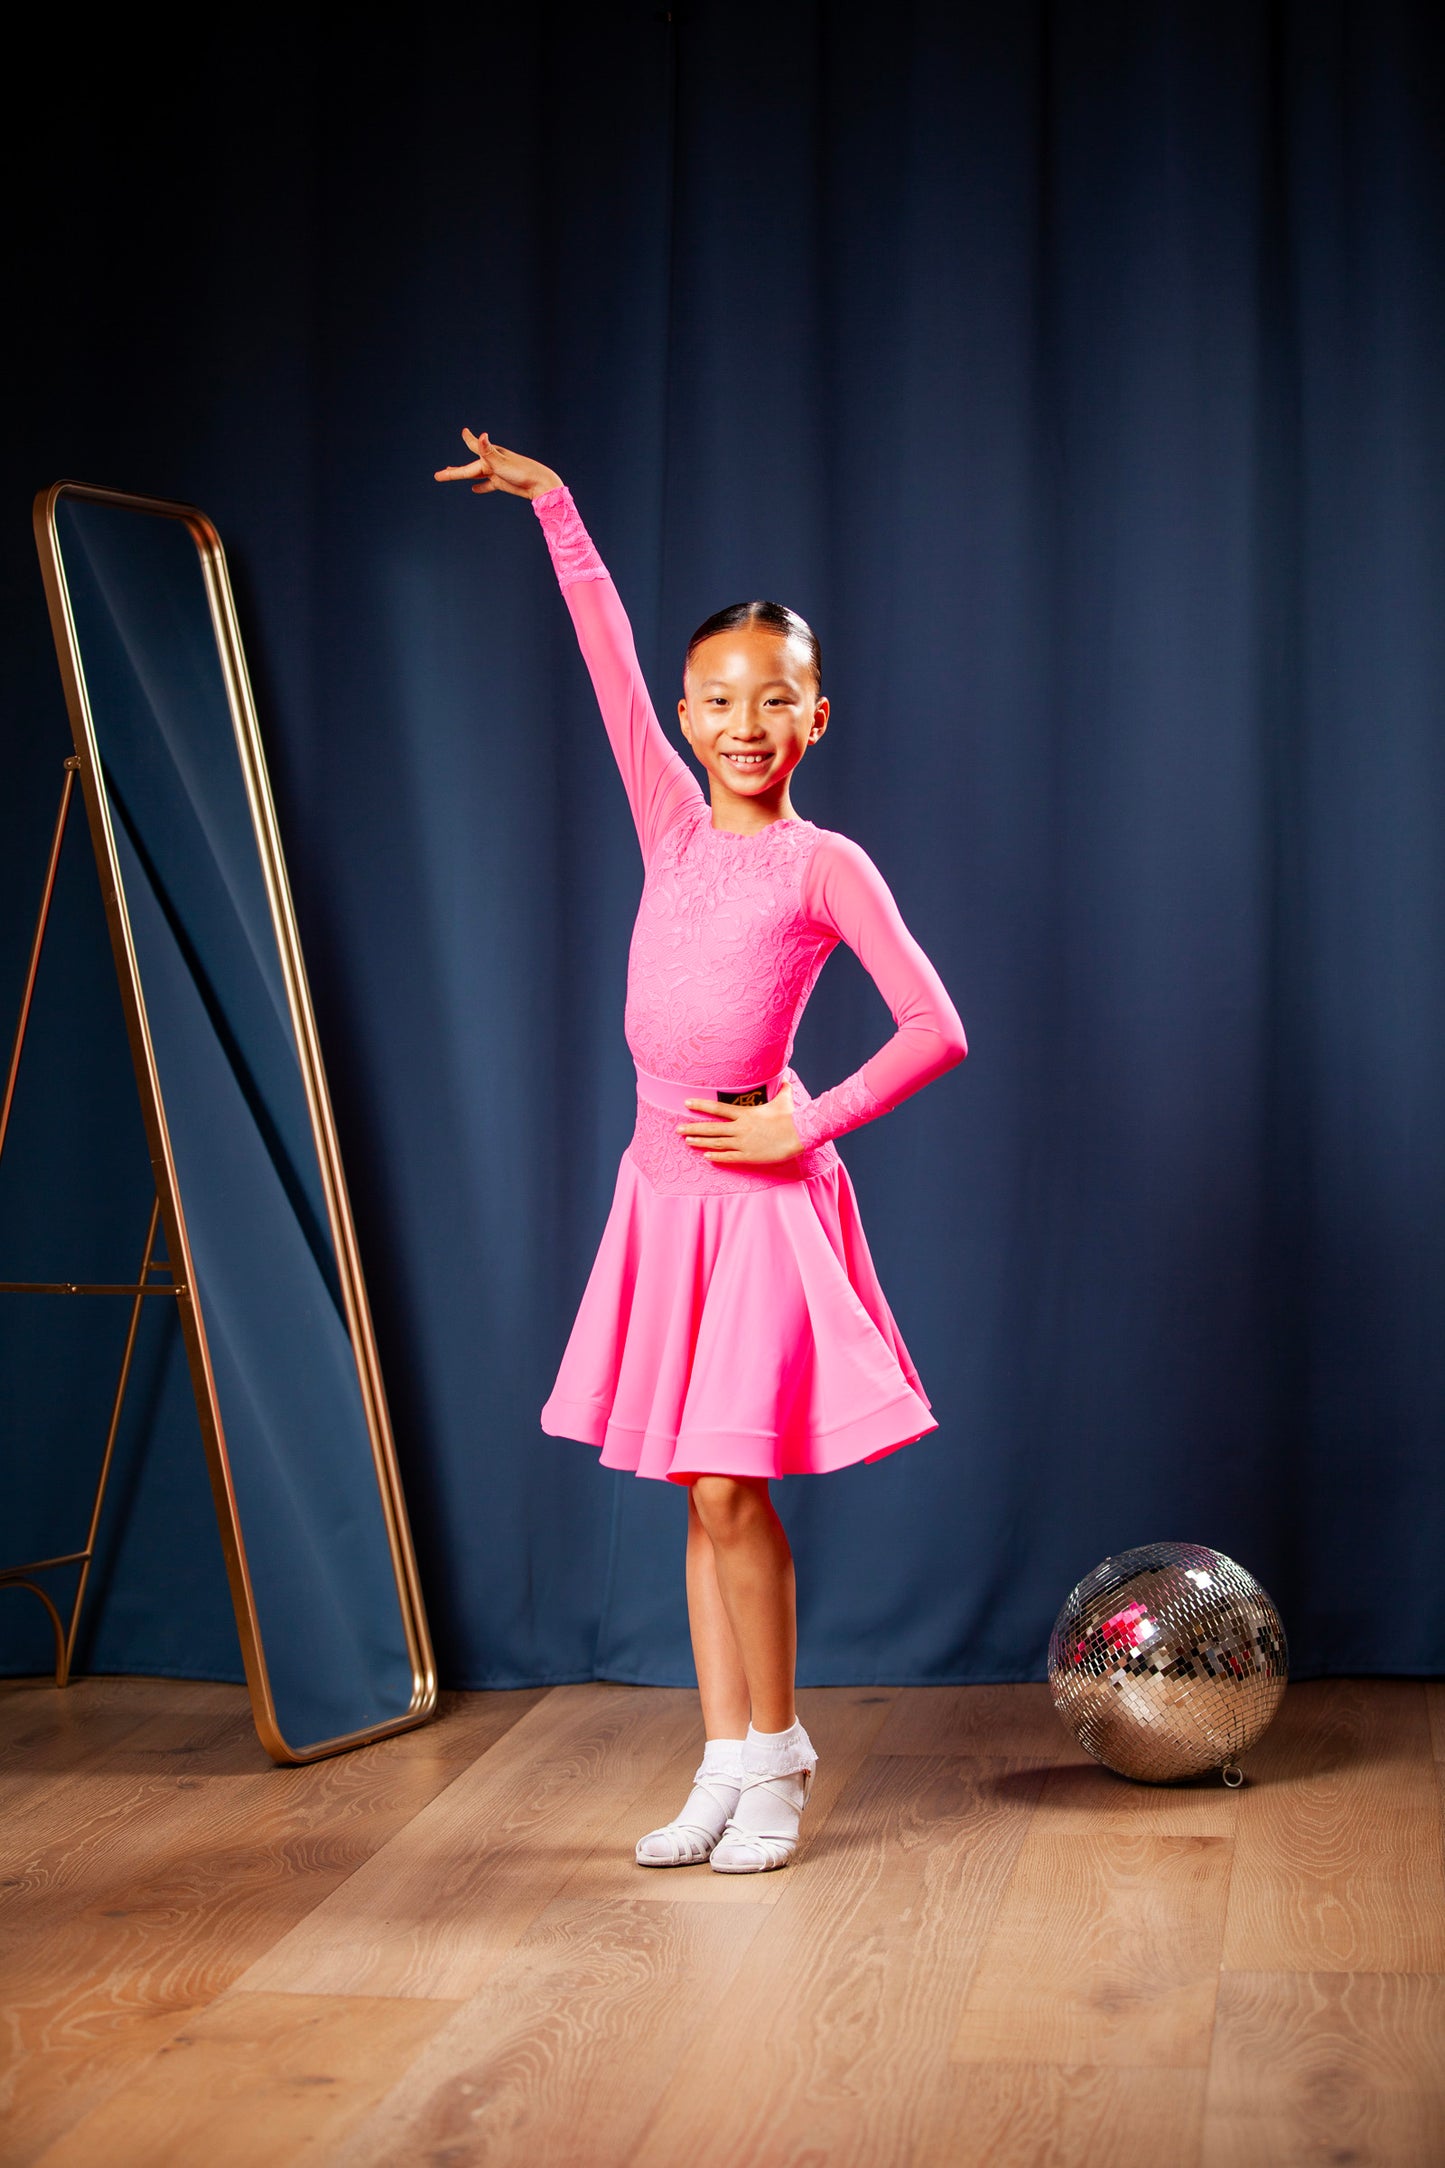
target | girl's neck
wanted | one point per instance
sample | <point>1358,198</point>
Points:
<point>737,816</point>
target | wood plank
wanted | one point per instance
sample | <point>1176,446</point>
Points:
<point>89,1723</point>
<point>841,1722</point>
<point>444,1902</point>
<point>69,2073</point>
<point>1020,2115</point>
<point>1019,1723</point>
<point>210,1734</point>
<point>49,1729</point>
<point>1338,1863</point>
<point>271,2078</point>
<point>834,2033</point>
<point>128,1924</point>
<point>1104,1949</point>
<point>1083,1798</point>
<point>1325,2066</point>
<point>1435,1702</point>
<point>217,1737</point>
<point>562,2053</point>
<point>1094,1975</point>
<point>93,1836</point>
<point>467,1723</point>
<point>99,1836</point>
<point>90,1833</point>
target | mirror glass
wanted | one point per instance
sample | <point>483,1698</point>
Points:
<point>324,1589</point>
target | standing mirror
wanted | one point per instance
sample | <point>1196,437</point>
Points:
<point>248,1175</point>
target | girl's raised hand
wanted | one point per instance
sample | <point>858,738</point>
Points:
<point>494,467</point>
<point>743,1136</point>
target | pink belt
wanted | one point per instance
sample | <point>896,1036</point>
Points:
<point>661,1091</point>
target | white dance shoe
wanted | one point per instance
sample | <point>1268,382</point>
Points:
<point>761,1834</point>
<point>689,1840</point>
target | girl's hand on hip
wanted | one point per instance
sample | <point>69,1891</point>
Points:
<point>743,1136</point>
<point>494,467</point>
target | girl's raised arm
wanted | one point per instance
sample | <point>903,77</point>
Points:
<point>845,895</point>
<point>659,784</point>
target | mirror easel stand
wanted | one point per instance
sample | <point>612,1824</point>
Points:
<point>144,1284</point>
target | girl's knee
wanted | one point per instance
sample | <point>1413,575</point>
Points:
<point>727,1504</point>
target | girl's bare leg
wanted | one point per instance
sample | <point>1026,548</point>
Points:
<point>689,1839</point>
<point>721,1679</point>
<point>750,1592</point>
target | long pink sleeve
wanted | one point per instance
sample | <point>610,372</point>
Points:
<point>845,894</point>
<point>659,784</point>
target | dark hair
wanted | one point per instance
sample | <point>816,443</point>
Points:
<point>775,615</point>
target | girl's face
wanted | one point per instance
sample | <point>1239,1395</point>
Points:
<point>751,708</point>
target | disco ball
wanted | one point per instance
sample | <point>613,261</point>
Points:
<point>1168,1661</point>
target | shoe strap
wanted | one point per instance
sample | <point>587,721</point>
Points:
<point>775,1848</point>
<point>708,1780</point>
<point>698,1830</point>
<point>786,1838</point>
<point>771,1783</point>
<point>701,1783</point>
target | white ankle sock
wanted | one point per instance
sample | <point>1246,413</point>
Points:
<point>777,1776</point>
<point>778,1753</point>
<point>688,1839</point>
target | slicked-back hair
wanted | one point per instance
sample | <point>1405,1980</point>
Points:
<point>776,616</point>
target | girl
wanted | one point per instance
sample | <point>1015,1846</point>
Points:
<point>733,1328</point>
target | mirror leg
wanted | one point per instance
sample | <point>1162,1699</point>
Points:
<point>62,1654</point>
<point>87,1556</point>
<point>33,969</point>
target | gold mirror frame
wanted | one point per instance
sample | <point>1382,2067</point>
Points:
<point>348,1264</point>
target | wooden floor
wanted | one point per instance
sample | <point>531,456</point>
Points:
<point>439,1951</point>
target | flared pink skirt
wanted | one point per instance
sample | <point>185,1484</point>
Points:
<point>736,1335</point>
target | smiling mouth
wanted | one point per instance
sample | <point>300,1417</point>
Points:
<point>749,760</point>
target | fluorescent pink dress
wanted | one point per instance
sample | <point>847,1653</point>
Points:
<point>733,1323</point>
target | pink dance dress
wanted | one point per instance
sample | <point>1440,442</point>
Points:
<point>733,1322</point>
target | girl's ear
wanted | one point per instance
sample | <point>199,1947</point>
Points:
<point>820,721</point>
<point>682,719</point>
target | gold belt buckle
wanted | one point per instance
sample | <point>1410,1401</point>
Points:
<point>756,1095</point>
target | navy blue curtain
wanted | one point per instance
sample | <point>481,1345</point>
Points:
<point>1076,370</point>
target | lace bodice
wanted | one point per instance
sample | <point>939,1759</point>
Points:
<point>732,930</point>
<point>723,953</point>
